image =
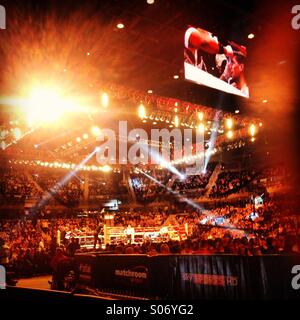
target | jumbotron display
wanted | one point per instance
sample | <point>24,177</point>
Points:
<point>209,62</point>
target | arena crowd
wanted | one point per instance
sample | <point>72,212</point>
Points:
<point>28,246</point>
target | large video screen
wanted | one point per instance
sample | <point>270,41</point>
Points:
<point>218,65</point>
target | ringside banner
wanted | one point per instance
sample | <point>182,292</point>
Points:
<point>199,276</point>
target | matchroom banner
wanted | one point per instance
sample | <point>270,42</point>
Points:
<point>124,272</point>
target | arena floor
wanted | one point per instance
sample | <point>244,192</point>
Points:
<point>35,283</point>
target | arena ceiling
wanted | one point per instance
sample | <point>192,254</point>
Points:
<point>147,52</point>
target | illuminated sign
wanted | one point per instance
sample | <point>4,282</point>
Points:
<point>210,63</point>
<point>2,277</point>
<point>2,17</point>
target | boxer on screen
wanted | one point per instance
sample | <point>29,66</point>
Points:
<point>229,59</point>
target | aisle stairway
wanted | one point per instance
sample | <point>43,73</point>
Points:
<point>30,179</point>
<point>213,179</point>
<point>132,196</point>
<point>171,181</point>
<point>45,193</point>
<point>170,220</point>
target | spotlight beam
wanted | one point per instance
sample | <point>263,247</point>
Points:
<point>188,201</point>
<point>64,180</point>
<point>158,158</point>
<point>61,135</point>
<point>212,140</point>
<point>17,140</point>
